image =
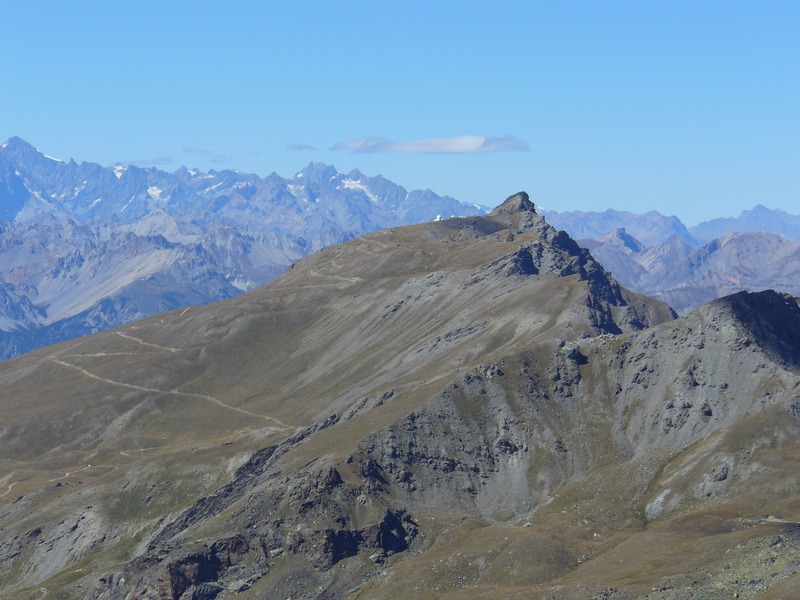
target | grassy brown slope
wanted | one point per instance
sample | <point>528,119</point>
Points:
<point>433,422</point>
<point>106,436</point>
<point>565,442</point>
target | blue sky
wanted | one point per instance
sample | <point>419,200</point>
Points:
<point>689,108</point>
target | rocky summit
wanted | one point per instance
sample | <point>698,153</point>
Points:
<point>467,408</point>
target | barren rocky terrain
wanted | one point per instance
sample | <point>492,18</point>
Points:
<point>470,408</point>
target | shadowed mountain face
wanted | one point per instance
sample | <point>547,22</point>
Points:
<point>465,408</point>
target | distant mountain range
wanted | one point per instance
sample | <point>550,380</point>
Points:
<point>660,257</point>
<point>649,228</point>
<point>653,228</point>
<point>686,277</point>
<point>85,247</point>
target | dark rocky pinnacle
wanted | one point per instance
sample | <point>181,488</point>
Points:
<point>519,202</point>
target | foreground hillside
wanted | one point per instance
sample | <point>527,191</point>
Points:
<point>469,408</point>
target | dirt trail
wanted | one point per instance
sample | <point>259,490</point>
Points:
<point>339,277</point>
<point>371,241</point>
<point>68,473</point>
<point>143,343</point>
<point>8,491</point>
<point>175,392</point>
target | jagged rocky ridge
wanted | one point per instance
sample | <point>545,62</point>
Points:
<point>468,408</point>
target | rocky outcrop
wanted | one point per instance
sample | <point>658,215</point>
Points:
<point>315,518</point>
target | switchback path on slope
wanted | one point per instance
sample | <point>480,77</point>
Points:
<point>372,241</point>
<point>143,343</point>
<point>8,491</point>
<point>337,277</point>
<point>67,474</point>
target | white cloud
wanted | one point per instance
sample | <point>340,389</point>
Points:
<point>462,144</point>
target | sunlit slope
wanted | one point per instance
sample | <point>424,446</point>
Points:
<point>472,392</point>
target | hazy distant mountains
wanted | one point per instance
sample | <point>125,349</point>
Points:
<point>86,247</point>
<point>650,228</point>
<point>653,228</point>
<point>658,256</point>
<point>758,219</point>
<point>687,277</point>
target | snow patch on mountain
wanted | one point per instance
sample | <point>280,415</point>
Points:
<point>351,184</point>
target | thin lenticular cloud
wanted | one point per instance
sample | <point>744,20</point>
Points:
<point>462,144</point>
<point>300,147</point>
<point>198,151</point>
